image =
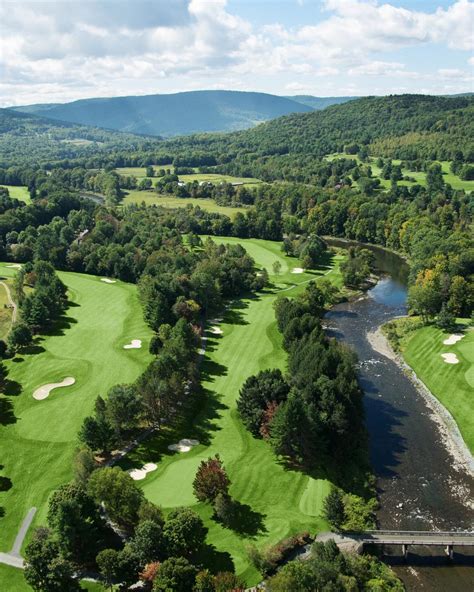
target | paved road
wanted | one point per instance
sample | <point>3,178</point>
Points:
<point>14,558</point>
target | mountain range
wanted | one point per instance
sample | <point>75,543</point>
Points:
<point>181,113</point>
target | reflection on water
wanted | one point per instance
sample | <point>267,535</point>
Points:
<point>418,486</point>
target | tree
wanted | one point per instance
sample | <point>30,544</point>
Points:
<point>223,507</point>
<point>147,542</point>
<point>19,336</point>
<point>119,494</point>
<point>446,320</point>
<point>333,509</point>
<point>109,566</point>
<point>45,569</point>
<point>96,434</point>
<point>211,480</point>
<point>434,178</point>
<point>84,464</point>
<point>276,267</point>
<point>150,171</point>
<point>119,566</point>
<point>226,580</point>
<point>150,512</point>
<point>184,532</point>
<point>177,574</point>
<point>123,408</point>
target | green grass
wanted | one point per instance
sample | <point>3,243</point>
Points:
<point>38,438</point>
<point>420,177</point>
<point>140,173</point>
<point>5,313</point>
<point>452,384</point>
<point>170,201</point>
<point>19,192</point>
<point>285,501</point>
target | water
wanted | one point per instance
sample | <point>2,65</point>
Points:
<point>419,487</point>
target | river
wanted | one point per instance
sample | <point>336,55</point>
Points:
<point>419,486</point>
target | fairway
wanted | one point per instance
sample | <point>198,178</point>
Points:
<point>38,437</point>
<point>151,198</point>
<point>452,384</point>
<point>277,502</point>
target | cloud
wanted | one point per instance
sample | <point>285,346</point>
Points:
<point>66,49</point>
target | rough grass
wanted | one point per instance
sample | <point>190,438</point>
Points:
<point>19,192</point>
<point>151,198</point>
<point>38,438</point>
<point>5,313</point>
<point>452,384</point>
<point>140,173</point>
<point>275,502</point>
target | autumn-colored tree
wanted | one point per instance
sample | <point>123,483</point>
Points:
<point>149,572</point>
<point>211,479</point>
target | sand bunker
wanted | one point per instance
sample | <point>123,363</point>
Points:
<point>201,351</point>
<point>139,474</point>
<point>297,270</point>
<point>452,339</point>
<point>134,344</point>
<point>450,358</point>
<point>108,281</point>
<point>216,330</point>
<point>183,445</point>
<point>43,391</point>
<point>14,265</point>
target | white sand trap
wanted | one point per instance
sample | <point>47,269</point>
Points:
<point>452,339</point>
<point>216,330</point>
<point>108,281</point>
<point>297,270</point>
<point>450,358</point>
<point>183,445</point>
<point>201,351</point>
<point>139,474</point>
<point>14,266</point>
<point>43,391</point>
<point>134,344</point>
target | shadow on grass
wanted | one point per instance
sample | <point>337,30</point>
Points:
<point>7,416</point>
<point>212,559</point>
<point>243,520</point>
<point>11,388</point>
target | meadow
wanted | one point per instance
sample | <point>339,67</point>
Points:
<point>19,192</point>
<point>38,438</point>
<point>420,177</point>
<point>216,178</point>
<point>275,501</point>
<point>151,198</point>
<point>452,384</point>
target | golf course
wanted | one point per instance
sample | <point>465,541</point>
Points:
<point>38,434</point>
<point>274,502</point>
<point>447,369</point>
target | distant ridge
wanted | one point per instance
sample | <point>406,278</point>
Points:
<point>318,103</point>
<point>173,114</point>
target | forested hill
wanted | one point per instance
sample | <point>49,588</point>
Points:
<point>174,114</point>
<point>29,139</point>
<point>398,126</point>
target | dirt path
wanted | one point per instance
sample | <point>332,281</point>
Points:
<point>10,302</point>
<point>14,558</point>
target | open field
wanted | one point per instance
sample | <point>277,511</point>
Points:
<point>420,177</point>
<point>276,502</point>
<point>170,201</point>
<point>452,384</point>
<point>38,438</point>
<point>140,173</point>
<point>19,192</point>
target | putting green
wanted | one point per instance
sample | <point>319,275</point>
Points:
<point>452,384</point>
<point>285,501</point>
<point>37,438</point>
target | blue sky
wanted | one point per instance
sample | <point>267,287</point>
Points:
<point>56,51</point>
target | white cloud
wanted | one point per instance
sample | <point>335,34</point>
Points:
<point>61,50</point>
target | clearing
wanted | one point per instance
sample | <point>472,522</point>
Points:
<point>38,438</point>
<point>275,502</point>
<point>18,192</point>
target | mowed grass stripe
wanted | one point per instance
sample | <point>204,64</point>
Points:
<point>36,449</point>
<point>452,384</point>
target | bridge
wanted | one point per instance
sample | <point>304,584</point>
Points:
<point>407,538</point>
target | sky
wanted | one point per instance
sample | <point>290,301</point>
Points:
<point>63,50</point>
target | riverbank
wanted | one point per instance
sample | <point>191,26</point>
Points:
<point>448,428</point>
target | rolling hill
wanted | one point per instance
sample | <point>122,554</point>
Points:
<point>173,114</point>
<point>318,103</point>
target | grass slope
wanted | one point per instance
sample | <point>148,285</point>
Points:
<point>452,384</point>
<point>37,438</point>
<point>276,502</point>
